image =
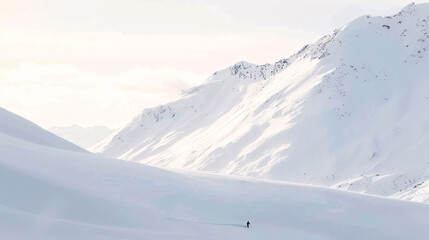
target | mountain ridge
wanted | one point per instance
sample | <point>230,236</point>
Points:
<point>338,114</point>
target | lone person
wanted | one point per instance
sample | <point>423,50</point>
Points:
<point>248,224</point>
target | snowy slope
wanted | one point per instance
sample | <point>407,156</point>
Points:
<point>349,111</point>
<point>51,193</point>
<point>85,137</point>
<point>20,128</point>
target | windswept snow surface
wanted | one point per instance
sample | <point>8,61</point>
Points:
<point>349,111</point>
<point>51,193</point>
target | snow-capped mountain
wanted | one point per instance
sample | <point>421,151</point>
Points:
<point>85,137</point>
<point>49,192</point>
<point>349,111</point>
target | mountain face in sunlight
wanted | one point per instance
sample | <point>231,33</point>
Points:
<point>349,111</point>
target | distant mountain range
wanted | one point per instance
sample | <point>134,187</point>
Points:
<point>85,137</point>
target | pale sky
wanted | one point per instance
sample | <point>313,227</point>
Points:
<point>101,62</point>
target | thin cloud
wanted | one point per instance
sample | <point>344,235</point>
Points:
<point>57,87</point>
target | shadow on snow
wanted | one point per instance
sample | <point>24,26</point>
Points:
<point>209,223</point>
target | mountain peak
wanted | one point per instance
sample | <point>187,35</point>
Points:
<point>408,7</point>
<point>346,111</point>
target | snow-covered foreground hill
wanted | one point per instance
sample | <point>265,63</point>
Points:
<point>349,111</point>
<point>48,192</point>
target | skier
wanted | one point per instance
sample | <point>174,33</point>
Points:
<point>248,224</point>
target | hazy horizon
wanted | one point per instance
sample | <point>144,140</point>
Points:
<point>102,62</point>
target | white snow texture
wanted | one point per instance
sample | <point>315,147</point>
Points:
<point>49,192</point>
